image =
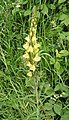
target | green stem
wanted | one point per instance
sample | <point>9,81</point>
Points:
<point>37,98</point>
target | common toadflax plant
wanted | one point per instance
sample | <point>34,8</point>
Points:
<point>31,46</point>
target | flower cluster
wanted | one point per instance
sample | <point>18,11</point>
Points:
<point>32,48</point>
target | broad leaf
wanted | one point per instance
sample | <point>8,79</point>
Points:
<point>61,1</point>
<point>62,16</point>
<point>57,65</point>
<point>52,60</point>
<point>65,116</point>
<point>27,12</point>
<point>45,9</point>
<point>48,106</point>
<point>57,108</point>
<point>64,53</point>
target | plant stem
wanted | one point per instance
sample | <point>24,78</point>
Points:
<point>37,97</point>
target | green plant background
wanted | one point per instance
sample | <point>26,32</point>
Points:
<point>17,91</point>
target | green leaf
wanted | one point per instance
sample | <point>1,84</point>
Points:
<point>45,9</point>
<point>57,65</point>
<point>50,92</point>
<point>66,33</point>
<point>62,36</point>
<point>52,6</point>
<point>57,108</point>
<point>68,38</point>
<point>30,83</point>
<point>52,60</point>
<point>61,1</point>
<point>62,16</point>
<point>64,87</point>
<point>25,2</point>
<point>27,12</point>
<point>57,87</point>
<point>66,21</point>
<point>51,101</point>
<point>48,106</point>
<point>47,87</point>
<point>1,74</point>
<point>65,116</point>
<point>1,8</point>
<point>38,14</point>
<point>61,70</point>
<point>61,87</point>
<point>64,53</point>
<point>51,113</point>
<point>64,94</point>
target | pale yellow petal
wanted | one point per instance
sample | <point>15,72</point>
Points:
<point>28,64</point>
<point>34,30</point>
<point>32,67</point>
<point>30,49</point>
<point>29,74</point>
<point>36,50</point>
<point>31,33</point>
<point>26,45</point>
<point>26,55</point>
<point>34,39</point>
<point>27,38</point>
<point>37,58</point>
<point>37,45</point>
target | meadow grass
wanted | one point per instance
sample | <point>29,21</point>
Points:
<point>45,96</point>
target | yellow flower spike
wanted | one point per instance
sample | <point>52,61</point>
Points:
<point>37,58</point>
<point>32,46</point>
<point>26,45</point>
<point>26,56</point>
<point>30,49</point>
<point>29,74</point>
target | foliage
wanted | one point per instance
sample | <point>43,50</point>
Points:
<point>17,91</point>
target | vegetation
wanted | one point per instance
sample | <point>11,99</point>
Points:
<point>45,94</point>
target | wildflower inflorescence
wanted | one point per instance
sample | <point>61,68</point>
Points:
<point>32,47</point>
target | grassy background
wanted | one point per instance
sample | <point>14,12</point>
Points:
<point>17,91</point>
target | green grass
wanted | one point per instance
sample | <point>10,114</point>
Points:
<point>46,96</point>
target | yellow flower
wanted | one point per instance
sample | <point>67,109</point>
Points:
<point>29,74</point>
<point>26,56</point>
<point>36,46</point>
<point>37,58</point>
<point>32,21</point>
<point>36,50</point>
<point>34,39</point>
<point>27,38</point>
<point>34,30</point>
<point>28,64</point>
<point>30,49</point>
<point>31,24</point>
<point>26,45</point>
<point>30,32</point>
<point>32,67</point>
